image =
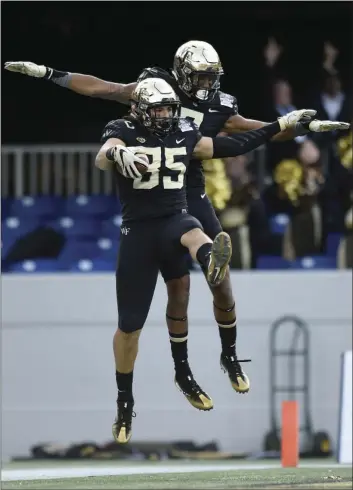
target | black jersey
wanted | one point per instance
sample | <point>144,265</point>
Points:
<point>210,117</point>
<point>160,191</point>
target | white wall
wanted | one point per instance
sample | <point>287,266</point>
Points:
<point>58,380</point>
<point>345,426</point>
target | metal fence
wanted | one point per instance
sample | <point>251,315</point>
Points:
<point>65,170</point>
<point>61,170</point>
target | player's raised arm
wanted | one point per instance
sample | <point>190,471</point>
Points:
<point>239,124</point>
<point>227,146</point>
<point>82,84</point>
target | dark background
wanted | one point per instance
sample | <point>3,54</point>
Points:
<point>115,40</point>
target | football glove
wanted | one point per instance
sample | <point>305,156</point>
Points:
<point>323,126</point>
<point>292,118</point>
<point>26,68</point>
<point>126,160</point>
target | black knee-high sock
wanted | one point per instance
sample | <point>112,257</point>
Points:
<point>124,384</point>
<point>203,255</point>
<point>228,333</point>
<point>179,346</point>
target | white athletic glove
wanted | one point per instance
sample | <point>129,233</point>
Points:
<point>323,126</point>
<point>126,159</point>
<point>292,118</point>
<point>26,68</point>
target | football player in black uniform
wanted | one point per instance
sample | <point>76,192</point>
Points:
<point>157,229</point>
<point>196,79</point>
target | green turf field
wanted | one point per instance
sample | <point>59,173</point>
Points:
<point>174,475</point>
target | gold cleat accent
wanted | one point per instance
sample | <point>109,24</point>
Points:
<point>121,437</point>
<point>238,379</point>
<point>121,428</point>
<point>201,401</point>
<point>242,386</point>
<point>221,254</point>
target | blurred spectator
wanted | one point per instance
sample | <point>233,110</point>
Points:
<point>280,102</point>
<point>345,249</point>
<point>218,187</point>
<point>309,180</point>
<point>245,218</point>
<point>344,148</point>
<point>345,186</point>
<point>331,102</point>
<point>330,56</point>
<point>299,185</point>
<point>272,52</point>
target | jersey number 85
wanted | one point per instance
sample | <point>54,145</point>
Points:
<point>151,179</point>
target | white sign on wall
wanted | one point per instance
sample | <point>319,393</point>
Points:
<point>345,413</point>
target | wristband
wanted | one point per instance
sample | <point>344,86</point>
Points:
<point>110,154</point>
<point>61,78</point>
<point>301,129</point>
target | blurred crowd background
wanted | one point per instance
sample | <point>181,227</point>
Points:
<point>286,205</point>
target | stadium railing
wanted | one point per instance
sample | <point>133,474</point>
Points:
<point>60,170</point>
<point>65,170</point>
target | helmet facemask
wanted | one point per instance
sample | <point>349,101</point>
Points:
<point>198,70</point>
<point>161,116</point>
<point>200,85</point>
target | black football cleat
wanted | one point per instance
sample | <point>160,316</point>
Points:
<point>238,379</point>
<point>122,426</point>
<point>221,253</point>
<point>193,393</point>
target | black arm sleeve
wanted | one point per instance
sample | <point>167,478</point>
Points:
<point>233,145</point>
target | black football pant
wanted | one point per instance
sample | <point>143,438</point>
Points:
<point>147,247</point>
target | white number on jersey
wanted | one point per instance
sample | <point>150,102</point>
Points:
<point>129,125</point>
<point>155,166</point>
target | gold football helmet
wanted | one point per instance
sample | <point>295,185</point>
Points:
<point>153,93</point>
<point>198,69</point>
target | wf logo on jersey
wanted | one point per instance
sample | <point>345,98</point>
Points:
<point>124,230</point>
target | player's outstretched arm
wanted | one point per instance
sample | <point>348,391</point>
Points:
<point>238,124</point>
<point>82,84</point>
<point>233,145</point>
<point>227,146</point>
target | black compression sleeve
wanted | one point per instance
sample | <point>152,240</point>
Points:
<point>233,145</point>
